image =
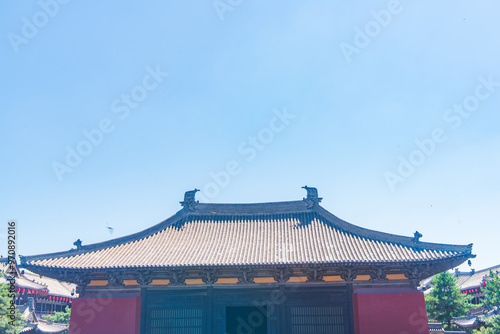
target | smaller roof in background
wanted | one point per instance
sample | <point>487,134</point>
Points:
<point>36,325</point>
<point>465,280</point>
<point>436,327</point>
<point>475,320</point>
<point>32,281</point>
<point>474,279</point>
<point>54,287</point>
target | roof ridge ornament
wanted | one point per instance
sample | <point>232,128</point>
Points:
<point>312,198</point>
<point>12,269</point>
<point>190,202</point>
<point>416,236</point>
<point>78,244</point>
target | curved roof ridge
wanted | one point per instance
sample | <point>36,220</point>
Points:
<point>388,237</point>
<point>201,209</point>
<point>250,208</point>
<point>488,269</point>
<point>232,211</point>
<point>179,215</point>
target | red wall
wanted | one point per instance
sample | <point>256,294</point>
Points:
<point>389,311</point>
<point>106,314</point>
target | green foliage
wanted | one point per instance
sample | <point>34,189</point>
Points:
<point>492,298</point>
<point>445,300</point>
<point>492,326</point>
<point>492,290</point>
<point>8,325</point>
<point>59,317</point>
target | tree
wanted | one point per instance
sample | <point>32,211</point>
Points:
<point>492,326</point>
<point>492,290</point>
<point>59,317</point>
<point>10,323</point>
<point>491,298</point>
<point>445,300</point>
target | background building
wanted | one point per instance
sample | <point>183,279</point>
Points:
<point>38,295</point>
<point>49,295</point>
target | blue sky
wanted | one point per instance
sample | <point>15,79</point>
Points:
<point>360,100</point>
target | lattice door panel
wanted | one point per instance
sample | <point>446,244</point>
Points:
<point>176,321</point>
<point>317,319</point>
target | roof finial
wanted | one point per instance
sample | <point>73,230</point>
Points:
<point>189,200</point>
<point>312,198</point>
<point>11,269</point>
<point>416,236</point>
<point>78,244</point>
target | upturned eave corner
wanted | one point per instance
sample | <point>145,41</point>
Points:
<point>210,226</point>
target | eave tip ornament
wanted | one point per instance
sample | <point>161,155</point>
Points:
<point>190,202</point>
<point>312,198</point>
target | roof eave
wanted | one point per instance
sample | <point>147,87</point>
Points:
<point>391,238</point>
<point>457,259</point>
<point>109,243</point>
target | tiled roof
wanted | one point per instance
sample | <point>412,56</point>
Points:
<point>44,327</point>
<point>53,286</point>
<point>475,320</point>
<point>40,326</point>
<point>21,281</point>
<point>461,279</point>
<point>474,279</point>
<point>467,322</point>
<point>29,280</point>
<point>249,234</point>
<point>436,327</point>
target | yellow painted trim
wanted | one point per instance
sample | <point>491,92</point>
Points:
<point>332,279</point>
<point>160,282</point>
<point>98,283</point>
<point>264,280</point>
<point>393,277</point>
<point>130,282</point>
<point>297,279</point>
<point>193,281</point>
<point>363,278</point>
<point>227,281</point>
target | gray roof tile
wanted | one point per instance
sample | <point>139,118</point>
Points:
<point>256,234</point>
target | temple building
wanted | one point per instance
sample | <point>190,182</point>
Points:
<point>473,284</point>
<point>285,267</point>
<point>36,325</point>
<point>48,294</point>
<point>37,296</point>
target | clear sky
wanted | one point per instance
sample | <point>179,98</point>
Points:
<point>111,110</point>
